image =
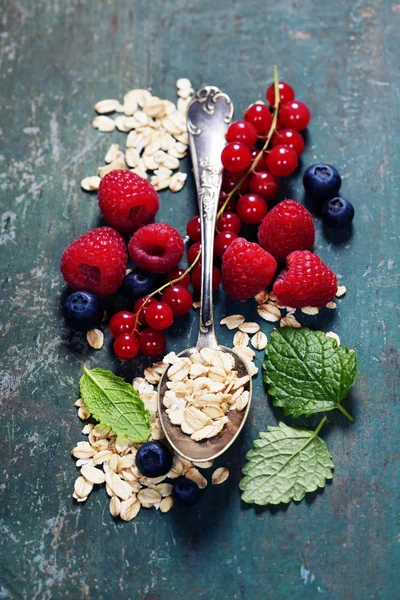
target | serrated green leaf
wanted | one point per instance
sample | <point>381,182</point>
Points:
<point>307,372</point>
<point>113,402</point>
<point>285,464</point>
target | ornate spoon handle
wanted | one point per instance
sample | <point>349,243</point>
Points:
<point>209,116</point>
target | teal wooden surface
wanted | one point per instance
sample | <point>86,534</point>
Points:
<point>57,59</point>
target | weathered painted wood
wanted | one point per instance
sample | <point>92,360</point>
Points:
<point>57,59</point>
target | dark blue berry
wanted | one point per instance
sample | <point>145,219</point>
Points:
<point>337,213</point>
<point>322,181</point>
<point>154,459</point>
<point>82,310</point>
<point>138,284</point>
<point>185,492</point>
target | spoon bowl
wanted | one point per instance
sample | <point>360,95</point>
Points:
<point>210,113</point>
<point>210,448</point>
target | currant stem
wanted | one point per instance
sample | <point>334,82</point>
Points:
<point>263,149</point>
<point>163,287</point>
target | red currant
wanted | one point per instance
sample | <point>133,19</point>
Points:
<point>178,298</point>
<point>251,209</point>
<point>138,307</point>
<point>222,241</point>
<point>229,221</point>
<point>231,204</point>
<point>286,93</point>
<point>193,252</point>
<point>290,138</point>
<point>126,346</point>
<point>282,161</point>
<point>229,181</point>
<point>122,322</point>
<point>175,273</point>
<point>264,184</point>
<point>152,342</point>
<point>236,157</point>
<point>159,315</point>
<point>242,131</point>
<point>193,229</point>
<point>196,278</point>
<point>259,116</point>
<point>261,163</point>
<point>294,115</point>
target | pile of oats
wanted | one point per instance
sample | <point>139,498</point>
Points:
<point>201,391</point>
<point>157,136</point>
<point>110,460</point>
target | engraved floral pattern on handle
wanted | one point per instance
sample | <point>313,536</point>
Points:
<point>208,97</point>
<point>208,193</point>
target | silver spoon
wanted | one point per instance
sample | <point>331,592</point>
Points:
<point>209,114</point>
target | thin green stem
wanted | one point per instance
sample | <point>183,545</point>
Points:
<point>320,426</point>
<point>345,413</point>
<point>252,167</point>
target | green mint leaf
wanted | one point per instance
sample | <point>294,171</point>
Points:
<point>113,402</point>
<point>284,464</point>
<point>307,372</point>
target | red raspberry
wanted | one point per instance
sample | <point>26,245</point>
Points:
<point>286,228</point>
<point>306,281</point>
<point>246,269</point>
<point>127,201</point>
<point>156,248</point>
<point>95,262</point>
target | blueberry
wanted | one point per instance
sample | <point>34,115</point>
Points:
<point>185,492</point>
<point>322,181</point>
<point>337,213</point>
<point>138,284</point>
<point>82,310</point>
<point>154,459</point>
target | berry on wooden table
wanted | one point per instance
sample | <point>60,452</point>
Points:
<point>251,209</point>
<point>153,459</point>
<point>222,241</point>
<point>193,252</point>
<point>176,273</point>
<point>236,157</point>
<point>152,342</point>
<point>290,138</point>
<point>286,93</point>
<point>196,277</point>
<point>242,131</point>
<point>127,201</point>
<point>222,199</point>
<point>286,228</point>
<point>82,310</point>
<point>185,492</point>
<point>306,281</point>
<point>178,298</point>
<point>322,181</point>
<point>126,346</point>
<point>138,283</point>
<point>337,213</point>
<point>246,269</point>
<point>159,315</point>
<point>294,115</point>
<point>95,262</point>
<point>260,117</point>
<point>193,229</point>
<point>122,322</point>
<point>261,163</point>
<point>230,180</point>
<point>142,311</point>
<point>157,248</point>
<point>229,221</point>
<point>264,184</point>
<point>281,161</point>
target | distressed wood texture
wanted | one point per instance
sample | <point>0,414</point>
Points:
<point>58,58</point>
